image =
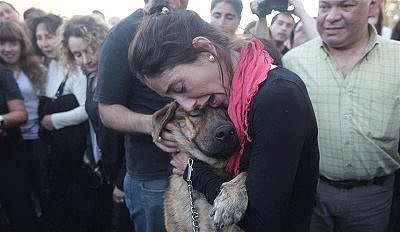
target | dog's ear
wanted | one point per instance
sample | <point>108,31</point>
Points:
<point>162,117</point>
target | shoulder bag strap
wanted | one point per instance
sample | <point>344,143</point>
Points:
<point>60,90</point>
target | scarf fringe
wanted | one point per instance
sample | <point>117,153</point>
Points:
<point>252,70</point>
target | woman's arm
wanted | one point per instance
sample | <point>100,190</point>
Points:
<point>205,180</point>
<point>280,123</point>
<point>77,115</point>
<point>15,104</point>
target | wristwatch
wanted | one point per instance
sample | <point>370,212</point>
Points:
<point>1,121</point>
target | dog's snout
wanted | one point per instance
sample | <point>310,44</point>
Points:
<point>225,132</point>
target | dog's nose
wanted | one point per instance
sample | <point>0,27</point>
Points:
<point>225,133</point>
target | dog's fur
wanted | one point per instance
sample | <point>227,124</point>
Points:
<point>195,136</point>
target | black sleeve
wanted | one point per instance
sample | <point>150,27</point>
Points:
<point>115,77</point>
<point>12,91</point>
<point>111,143</point>
<point>278,119</point>
<point>119,182</point>
<point>205,180</point>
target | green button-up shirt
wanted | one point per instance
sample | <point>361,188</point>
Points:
<point>358,115</point>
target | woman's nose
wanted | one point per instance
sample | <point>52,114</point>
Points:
<point>187,104</point>
<point>85,59</point>
<point>45,43</point>
<point>7,48</point>
<point>221,21</point>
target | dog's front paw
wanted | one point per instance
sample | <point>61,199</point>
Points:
<point>231,203</point>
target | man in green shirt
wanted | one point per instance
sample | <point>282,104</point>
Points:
<point>353,79</point>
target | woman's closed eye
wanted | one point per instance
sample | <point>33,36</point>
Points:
<point>179,88</point>
<point>211,100</point>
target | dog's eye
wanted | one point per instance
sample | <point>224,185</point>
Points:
<point>182,124</point>
<point>195,113</point>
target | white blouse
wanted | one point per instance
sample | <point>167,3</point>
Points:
<point>29,129</point>
<point>75,84</point>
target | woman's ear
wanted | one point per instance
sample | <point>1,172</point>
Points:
<point>205,43</point>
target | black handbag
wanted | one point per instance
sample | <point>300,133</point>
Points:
<point>74,134</point>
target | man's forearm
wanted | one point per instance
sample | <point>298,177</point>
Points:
<point>262,30</point>
<point>309,23</point>
<point>121,119</point>
<point>310,27</point>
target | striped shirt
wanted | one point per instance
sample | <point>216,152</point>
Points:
<point>358,115</point>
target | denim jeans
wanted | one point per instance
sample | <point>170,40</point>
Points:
<point>144,200</point>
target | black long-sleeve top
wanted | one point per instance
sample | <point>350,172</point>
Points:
<point>281,161</point>
<point>110,141</point>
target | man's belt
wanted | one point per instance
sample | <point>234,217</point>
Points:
<point>348,184</point>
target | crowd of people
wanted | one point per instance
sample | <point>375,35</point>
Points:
<point>315,105</point>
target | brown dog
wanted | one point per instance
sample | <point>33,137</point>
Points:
<point>209,136</point>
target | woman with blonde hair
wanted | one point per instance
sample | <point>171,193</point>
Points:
<point>81,38</point>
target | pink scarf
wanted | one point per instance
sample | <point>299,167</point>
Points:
<point>251,70</point>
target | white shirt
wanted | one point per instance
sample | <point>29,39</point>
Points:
<point>386,32</point>
<point>76,85</point>
<point>29,129</point>
<point>95,147</point>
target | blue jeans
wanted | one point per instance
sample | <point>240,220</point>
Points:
<point>144,200</point>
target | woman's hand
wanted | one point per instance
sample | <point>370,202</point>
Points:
<point>166,140</point>
<point>179,162</point>
<point>47,123</point>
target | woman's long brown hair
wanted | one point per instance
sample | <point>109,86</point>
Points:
<point>28,62</point>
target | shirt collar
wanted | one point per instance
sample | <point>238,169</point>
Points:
<point>374,39</point>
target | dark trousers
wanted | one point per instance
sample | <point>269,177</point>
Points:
<point>38,152</point>
<point>64,162</point>
<point>394,225</point>
<point>359,209</point>
<point>16,188</point>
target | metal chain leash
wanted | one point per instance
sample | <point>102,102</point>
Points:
<point>195,214</point>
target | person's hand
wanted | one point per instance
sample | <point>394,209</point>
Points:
<point>47,123</point>
<point>259,8</point>
<point>3,133</point>
<point>179,162</point>
<point>86,159</point>
<point>299,9</point>
<point>118,195</point>
<point>166,140</point>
